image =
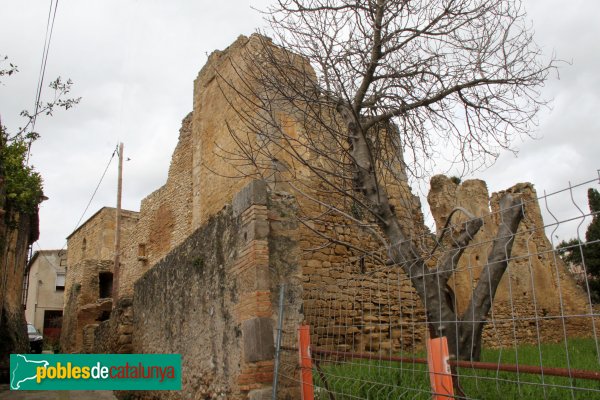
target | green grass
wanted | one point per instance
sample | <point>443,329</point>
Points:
<point>373,380</point>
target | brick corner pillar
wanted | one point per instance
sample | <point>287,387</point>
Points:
<point>253,310</point>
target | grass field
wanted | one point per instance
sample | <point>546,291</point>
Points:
<point>369,379</point>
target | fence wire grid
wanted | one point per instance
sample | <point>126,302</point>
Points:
<point>369,327</point>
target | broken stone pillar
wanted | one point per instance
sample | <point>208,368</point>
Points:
<point>536,285</point>
<point>251,270</point>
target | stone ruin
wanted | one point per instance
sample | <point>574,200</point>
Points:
<point>203,260</point>
<point>89,281</point>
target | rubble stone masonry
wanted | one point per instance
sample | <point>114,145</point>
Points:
<point>165,218</point>
<point>212,119</point>
<point>536,291</point>
<point>91,253</point>
<point>212,299</point>
<point>203,261</point>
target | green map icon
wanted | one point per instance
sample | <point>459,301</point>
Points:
<point>95,372</point>
<point>23,369</point>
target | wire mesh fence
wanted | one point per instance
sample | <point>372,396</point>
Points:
<point>369,327</point>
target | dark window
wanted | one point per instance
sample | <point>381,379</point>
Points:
<point>106,284</point>
<point>52,318</point>
<point>104,316</point>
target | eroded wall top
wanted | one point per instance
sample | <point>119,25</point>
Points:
<point>536,282</point>
<point>165,218</point>
<point>213,116</point>
<point>95,238</point>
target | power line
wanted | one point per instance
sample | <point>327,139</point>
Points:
<point>115,151</point>
<point>47,39</point>
<point>42,254</point>
<point>96,190</point>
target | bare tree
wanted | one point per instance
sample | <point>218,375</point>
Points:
<point>392,78</point>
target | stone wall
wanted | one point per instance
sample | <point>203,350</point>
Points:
<point>212,299</point>
<point>352,300</point>
<point>165,218</point>
<point>83,306</point>
<point>356,303</point>
<point>115,334</point>
<point>91,252</point>
<point>95,238</point>
<point>536,290</point>
<point>213,116</point>
<point>203,275</point>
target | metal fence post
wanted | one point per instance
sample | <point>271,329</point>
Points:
<point>306,377</point>
<point>439,369</point>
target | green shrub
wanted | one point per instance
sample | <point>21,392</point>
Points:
<point>22,186</point>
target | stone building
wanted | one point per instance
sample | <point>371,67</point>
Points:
<point>46,274</point>
<point>203,260</point>
<point>89,280</point>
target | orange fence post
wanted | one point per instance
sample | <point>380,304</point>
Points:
<point>440,375</point>
<point>306,378</point>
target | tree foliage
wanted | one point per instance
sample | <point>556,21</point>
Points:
<point>60,89</point>
<point>587,254</point>
<point>569,251</point>
<point>21,185</point>
<point>7,70</point>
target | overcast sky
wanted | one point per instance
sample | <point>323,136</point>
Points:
<point>134,62</point>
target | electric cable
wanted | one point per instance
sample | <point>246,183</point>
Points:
<point>47,40</point>
<point>115,151</point>
<point>97,187</point>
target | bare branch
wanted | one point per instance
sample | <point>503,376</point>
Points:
<point>346,89</point>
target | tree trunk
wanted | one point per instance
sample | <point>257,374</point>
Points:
<point>401,250</point>
<point>463,334</point>
<point>473,319</point>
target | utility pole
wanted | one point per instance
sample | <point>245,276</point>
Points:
<point>117,268</point>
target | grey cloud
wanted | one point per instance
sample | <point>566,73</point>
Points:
<point>134,64</point>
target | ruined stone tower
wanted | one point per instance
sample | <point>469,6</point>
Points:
<point>202,264</point>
